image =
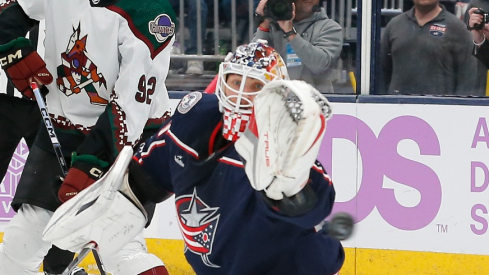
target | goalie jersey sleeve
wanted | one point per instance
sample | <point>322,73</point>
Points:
<point>227,226</point>
<point>110,65</point>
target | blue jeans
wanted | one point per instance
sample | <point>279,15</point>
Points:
<point>191,18</point>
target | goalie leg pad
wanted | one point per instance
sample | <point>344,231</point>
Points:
<point>23,249</point>
<point>100,213</point>
<point>133,258</point>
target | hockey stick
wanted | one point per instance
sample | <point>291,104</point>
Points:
<point>83,253</point>
<point>50,128</point>
<point>64,170</point>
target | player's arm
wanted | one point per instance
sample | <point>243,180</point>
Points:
<point>310,206</point>
<point>320,55</point>
<point>14,21</point>
<point>465,66</point>
<point>263,30</point>
<point>19,59</point>
<point>386,59</point>
<point>319,254</point>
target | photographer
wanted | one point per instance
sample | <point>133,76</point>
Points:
<point>480,30</point>
<point>304,36</point>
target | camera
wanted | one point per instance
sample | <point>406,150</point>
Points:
<point>278,10</point>
<point>485,19</point>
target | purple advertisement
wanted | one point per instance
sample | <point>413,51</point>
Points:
<point>10,181</point>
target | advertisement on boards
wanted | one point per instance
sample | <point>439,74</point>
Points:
<point>415,177</point>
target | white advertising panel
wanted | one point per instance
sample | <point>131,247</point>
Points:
<point>422,175</point>
<point>415,177</point>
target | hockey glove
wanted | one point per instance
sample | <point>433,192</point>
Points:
<point>84,171</point>
<point>283,137</point>
<point>23,65</point>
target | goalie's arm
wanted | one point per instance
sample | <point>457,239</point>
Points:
<point>149,171</point>
<point>14,21</point>
<point>308,207</point>
<point>319,254</point>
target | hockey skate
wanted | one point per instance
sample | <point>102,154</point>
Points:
<point>100,218</point>
<point>283,137</point>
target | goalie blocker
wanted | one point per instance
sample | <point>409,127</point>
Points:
<point>107,213</point>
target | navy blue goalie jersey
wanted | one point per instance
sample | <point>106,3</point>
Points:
<point>227,226</point>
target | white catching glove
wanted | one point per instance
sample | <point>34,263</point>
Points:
<point>283,138</point>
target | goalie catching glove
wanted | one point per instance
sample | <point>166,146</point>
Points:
<point>84,171</point>
<point>23,65</point>
<point>283,137</point>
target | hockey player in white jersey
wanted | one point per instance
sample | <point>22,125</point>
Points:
<point>106,63</point>
<point>20,119</point>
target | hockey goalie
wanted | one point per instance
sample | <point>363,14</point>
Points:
<point>242,166</point>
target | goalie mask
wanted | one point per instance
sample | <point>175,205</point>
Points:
<point>255,60</point>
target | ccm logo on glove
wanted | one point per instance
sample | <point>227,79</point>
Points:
<point>84,171</point>
<point>4,61</point>
<point>22,65</point>
<point>97,173</point>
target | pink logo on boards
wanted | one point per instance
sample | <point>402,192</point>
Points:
<point>379,159</point>
<point>10,181</point>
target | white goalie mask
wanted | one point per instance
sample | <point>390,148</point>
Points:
<point>255,60</point>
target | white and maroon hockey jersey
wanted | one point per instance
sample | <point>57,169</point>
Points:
<point>117,54</point>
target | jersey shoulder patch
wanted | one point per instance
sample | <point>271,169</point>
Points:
<point>189,101</point>
<point>153,22</point>
<point>197,115</point>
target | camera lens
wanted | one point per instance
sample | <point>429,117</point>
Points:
<point>279,9</point>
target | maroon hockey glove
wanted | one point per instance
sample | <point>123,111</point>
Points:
<point>23,65</point>
<point>84,171</point>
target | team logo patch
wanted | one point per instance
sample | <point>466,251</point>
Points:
<point>189,101</point>
<point>198,223</point>
<point>162,27</point>
<point>438,29</point>
<point>78,73</point>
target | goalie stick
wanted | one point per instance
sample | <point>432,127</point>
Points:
<point>64,169</point>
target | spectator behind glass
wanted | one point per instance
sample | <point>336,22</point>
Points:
<point>193,66</point>
<point>481,69</point>
<point>481,47</point>
<point>242,17</point>
<point>427,50</point>
<point>310,42</point>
